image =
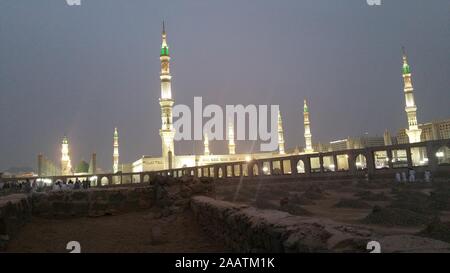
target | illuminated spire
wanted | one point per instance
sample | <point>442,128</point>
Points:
<point>167,132</point>
<point>116,151</point>
<point>280,134</point>
<point>406,69</point>
<point>308,136</point>
<point>231,145</point>
<point>206,144</point>
<point>413,130</point>
<point>387,138</point>
<point>164,46</point>
<point>66,165</point>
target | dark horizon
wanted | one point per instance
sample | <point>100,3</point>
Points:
<point>81,71</point>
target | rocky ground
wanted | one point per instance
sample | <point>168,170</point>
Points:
<point>387,208</point>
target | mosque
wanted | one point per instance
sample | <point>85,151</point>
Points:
<point>169,159</point>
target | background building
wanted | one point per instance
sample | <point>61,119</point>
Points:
<point>430,131</point>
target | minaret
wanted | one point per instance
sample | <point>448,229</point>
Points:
<point>387,138</point>
<point>93,164</point>
<point>280,135</point>
<point>413,130</point>
<point>231,145</point>
<point>66,165</point>
<point>206,143</point>
<point>308,142</point>
<point>166,102</point>
<point>116,152</point>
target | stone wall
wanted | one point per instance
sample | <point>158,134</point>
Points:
<point>15,211</point>
<point>94,202</point>
<point>247,229</point>
<point>166,195</point>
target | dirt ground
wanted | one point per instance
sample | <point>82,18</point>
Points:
<point>132,232</point>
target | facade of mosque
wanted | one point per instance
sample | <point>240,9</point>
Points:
<point>170,160</point>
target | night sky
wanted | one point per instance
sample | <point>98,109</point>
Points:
<point>83,70</point>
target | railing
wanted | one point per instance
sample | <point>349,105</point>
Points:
<point>383,161</point>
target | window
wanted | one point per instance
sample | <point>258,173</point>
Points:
<point>287,167</point>
<point>342,162</point>
<point>361,162</point>
<point>381,160</point>
<point>399,159</point>
<point>300,166</point>
<point>419,156</point>
<point>315,164</point>
<point>328,164</point>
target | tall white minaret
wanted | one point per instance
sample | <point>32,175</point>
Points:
<point>308,142</point>
<point>280,135</point>
<point>413,130</point>
<point>206,144</point>
<point>66,165</point>
<point>116,152</point>
<point>167,131</point>
<point>231,145</point>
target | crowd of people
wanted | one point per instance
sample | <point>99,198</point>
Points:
<point>35,185</point>
<point>411,176</point>
<point>16,186</point>
<point>71,185</point>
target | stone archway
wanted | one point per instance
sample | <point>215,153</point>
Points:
<point>443,155</point>
<point>255,170</point>
<point>361,162</point>
<point>301,166</point>
<point>104,181</point>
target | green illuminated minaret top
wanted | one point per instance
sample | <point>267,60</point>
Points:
<point>406,69</point>
<point>164,46</point>
<point>305,107</point>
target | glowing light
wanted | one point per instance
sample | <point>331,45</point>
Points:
<point>265,169</point>
<point>248,158</point>
<point>440,154</point>
<point>93,178</point>
<point>46,181</point>
<point>424,161</point>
